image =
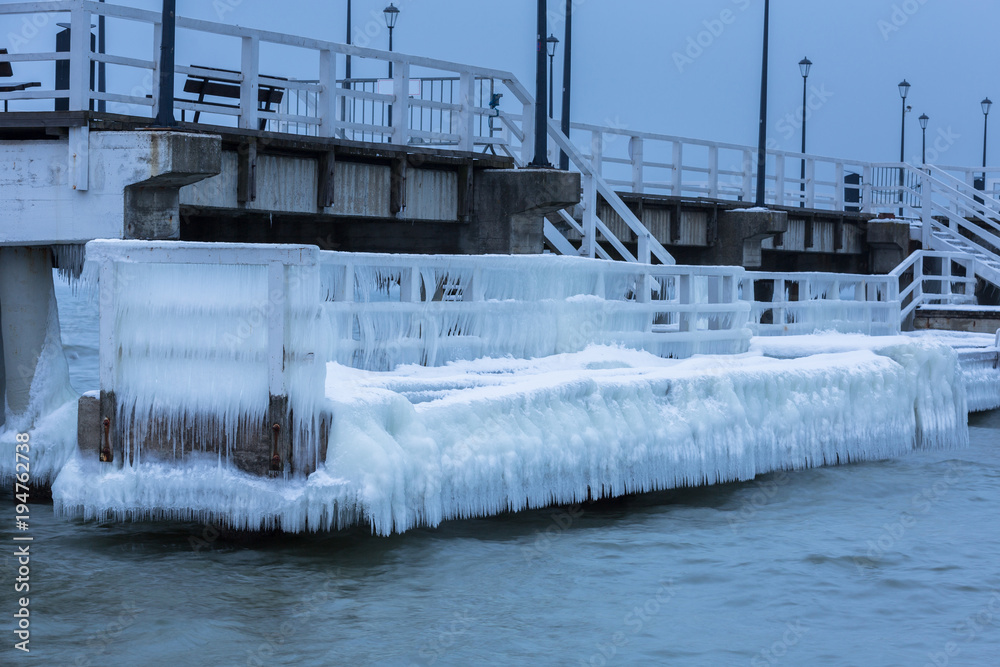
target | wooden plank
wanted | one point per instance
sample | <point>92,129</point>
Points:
<point>246,178</point>
<point>325,189</point>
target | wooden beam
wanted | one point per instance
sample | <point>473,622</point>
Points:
<point>325,190</point>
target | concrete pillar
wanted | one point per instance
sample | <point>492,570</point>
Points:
<point>3,377</point>
<point>35,370</point>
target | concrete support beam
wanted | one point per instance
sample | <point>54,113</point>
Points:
<point>889,244</point>
<point>740,232</point>
<point>152,206</point>
<point>29,328</point>
<point>510,207</point>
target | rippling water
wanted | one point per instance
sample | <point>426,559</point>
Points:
<point>891,563</point>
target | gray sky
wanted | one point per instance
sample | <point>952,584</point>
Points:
<point>692,68</point>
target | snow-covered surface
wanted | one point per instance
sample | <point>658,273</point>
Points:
<point>973,308</point>
<point>419,445</point>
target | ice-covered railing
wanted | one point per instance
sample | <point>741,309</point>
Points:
<point>804,302</point>
<point>208,346</point>
<point>801,303</point>
<point>386,310</point>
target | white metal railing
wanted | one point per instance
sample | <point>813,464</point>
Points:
<point>797,303</point>
<point>641,162</point>
<point>318,103</point>
<point>389,309</point>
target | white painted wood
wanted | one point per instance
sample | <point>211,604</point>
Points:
<point>249,68</point>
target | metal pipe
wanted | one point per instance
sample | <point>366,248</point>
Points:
<point>541,133</point>
<point>762,133</point>
<point>552,96</point>
<point>567,62</point>
<point>165,108</point>
<point>902,158</point>
<point>347,68</point>
<point>802,184</point>
<point>102,105</point>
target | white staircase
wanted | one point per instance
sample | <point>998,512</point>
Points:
<point>950,207</point>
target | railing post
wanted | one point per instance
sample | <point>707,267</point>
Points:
<point>401,107</point>
<point>677,181</point>
<point>779,314</point>
<point>926,212</point>
<point>79,67</point>
<point>838,197</point>
<point>328,95</point>
<point>685,298</point>
<point>713,172</point>
<point>409,284</point>
<point>597,151</point>
<point>528,129</point>
<point>811,183</point>
<point>467,116</point>
<point>779,180</point>
<point>157,42</point>
<point>866,189</point>
<point>588,247</point>
<point>635,154</point>
<point>748,162</point>
<point>249,64</point>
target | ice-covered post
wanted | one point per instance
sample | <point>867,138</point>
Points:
<point>400,117</point>
<point>277,409</point>
<point>328,93</point>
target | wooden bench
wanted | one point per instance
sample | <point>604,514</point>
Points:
<point>6,71</point>
<point>226,88</point>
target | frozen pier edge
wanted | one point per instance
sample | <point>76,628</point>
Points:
<point>417,389</point>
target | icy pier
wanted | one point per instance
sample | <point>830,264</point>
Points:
<point>418,389</point>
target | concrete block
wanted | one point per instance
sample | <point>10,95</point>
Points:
<point>88,425</point>
<point>888,244</point>
<point>510,206</point>
<point>740,232</point>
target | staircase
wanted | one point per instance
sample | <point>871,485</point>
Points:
<point>950,207</point>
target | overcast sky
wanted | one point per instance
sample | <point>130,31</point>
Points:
<point>692,67</point>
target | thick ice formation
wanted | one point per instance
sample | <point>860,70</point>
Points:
<point>421,445</point>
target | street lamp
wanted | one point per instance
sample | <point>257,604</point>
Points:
<point>804,66</point>
<point>550,44</point>
<point>986,104</point>
<point>391,14</point>
<point>923,128</point>
<point>904,90</point>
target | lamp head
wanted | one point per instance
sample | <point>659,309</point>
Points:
<point>804,65</point>
<point>550,44</point>
<point>391,14</point>
<point>904,89</point>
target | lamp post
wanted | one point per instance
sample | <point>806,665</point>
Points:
<point>923,146</point>
<point>762,128</point>
<point>904,90</point>
<point>541,135</point>
<point>168,34</point>
<point>550,44</point>
<point>986,104</point>
<point>391,14</point>
<point>567,78</point>
<point>804,67</point>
